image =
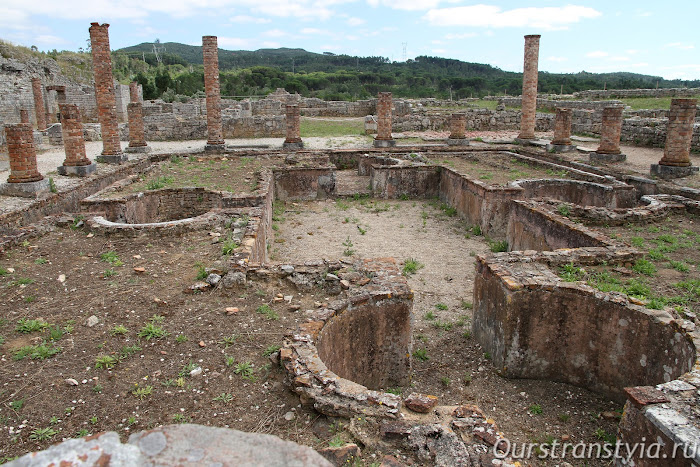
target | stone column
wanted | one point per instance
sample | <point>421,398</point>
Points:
<point>679,134</point>
<point>383,138</point>
<point>529,96</point>
<point>105,95</point>
<point>458,128</point>
<point>293,140</point>
<point>562,132</point>
<point>137,135</point>
<point>39,109</point>
<point>610,130</point>
<point>25,179</point>
<point>215,135</point>
<point>134,92</point>
<point>24,116</point>
<point>77,162</point>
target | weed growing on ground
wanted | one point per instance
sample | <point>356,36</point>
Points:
<point>152,331</point>
<point>112,258</point>
<point>421,354</point>
<point>411,266</point>
<point>348,247</point>
<point>268,312</point>
<point>535,409</point>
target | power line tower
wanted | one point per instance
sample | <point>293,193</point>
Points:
<point>403,45</point>
<point>157,50</point>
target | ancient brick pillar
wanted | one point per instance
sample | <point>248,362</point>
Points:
<point>458,128</point>
<point>293,140</point>
<point>77,162</point>
<point>215,137</point>
<point>383,138</point>
<point>610,130</point>
<point>25,179</point>
<point>137,135</point>
<point>24,116</point>
<point>105,95</point>
<point>39,109</point>
<point>562,127</point>
<point>134,92</point>
<point>679,133</point>
<point>529,97</point>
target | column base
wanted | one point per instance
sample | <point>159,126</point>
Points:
<point>76,170</point>
<point>25,189</point>
<point>670,171</point>
<point>137,149</point>
<point>215,147</point>
<point>601,157</point>
<point>384,143</point>
<point>457,142</point>
<point>293,146</point>
<point>524,141</point>
<point>560,147</point>
<point>112,158</point>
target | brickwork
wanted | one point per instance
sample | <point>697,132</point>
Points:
<point>137,137</point>
<point>679,133</point>
<point>24,116</point>
<point>104,89</point>
<point>20,147</point>
<point>73,140</point>
<point>610,130</point>
<point>60,93</point>
<point>293,120</point>
<point>384,116</point>
<point>134,92</point>
<point>212,90</point>
<point>562,127</point>
<point>39,109</point>
<point>458,126</point>
<point>529,100</point>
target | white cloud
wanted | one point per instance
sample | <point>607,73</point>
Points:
<point>233,43</point>
<point>686,71</point>
<point>438,51</point>
<point>680,45</point>
<point>355,21</point>
<point>330,47</point>
<point>597,54</point>
<point>249,19</point>
<point>315,31</point>
<point>408,5</point>
<point>50,40</point>
<point>275,33</point>
<point>547,18</point>
<point>556,59</point>
<point>13,18</point>
<point>465,35</point>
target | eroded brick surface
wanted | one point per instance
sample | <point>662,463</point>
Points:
<point>104,89</point>
<point>212,89</point>
<point>529,102</point>
<point>384,103</point>
<point>22,153</point>
<point>679,133</point>
<point>73,140</point>
<point>610,130</point>
<point>562,127</point>
<point>39,109</point>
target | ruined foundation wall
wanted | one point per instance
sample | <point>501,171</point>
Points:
<point>622,93</point>
<point>392,182</point>
<point>536,326</point>
<point>301,183</point>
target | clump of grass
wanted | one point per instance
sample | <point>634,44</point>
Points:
<point>112,258</point>
<point>535,409</point>
<point>348,247</point>
<point>105,361</point>
<point>571,273</point>
<point>679,266</point>
<point>30,325</point>
<point>268,312</point>
<point>37,352</point>
<point>411,266</point>
<point>429,315</point>
<point>498,246</point>
<point>159,182</point>
<point>228,247</point>
<point>270,350</point>
<point>643,266</point>
<point>421,354</point>
<point>244,369</point>
<point>152,331</point>
<point>142,392</point>
<point>564,210</point>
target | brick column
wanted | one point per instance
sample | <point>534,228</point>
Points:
<point>77,162</point>
<point>215,138</point>
<point>529,96</point>
<point>39,109</point>
<point>25,179</point>
<point>562,130</point>
<point>137,135</point>
<point>458,128</point>
<point>24,116</point>
<point>105,95</point>
<point>383,138</point>
<point>679,133</point>
<point>134,92</point>
<point>293,140</point>
<point>610,130</point>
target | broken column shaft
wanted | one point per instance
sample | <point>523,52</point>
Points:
<point>529,95</point>
<point>77,162</point>
<point>215,138</point>
<point>384,138</point>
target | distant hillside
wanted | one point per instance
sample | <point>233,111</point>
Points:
<point>345,77</point>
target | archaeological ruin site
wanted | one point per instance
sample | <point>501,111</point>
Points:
<point>199,282</point>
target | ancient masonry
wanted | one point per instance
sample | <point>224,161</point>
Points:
<point>215,138</point>
<point>458,127</point>
<point>39,110</point>
<point>137,136</point>
<point>24,116</point>
<point>134,92</point>
<point>77,162</point>
<point>529,101</point>
<point>104,94</point>
<point>676,160</point>
<point>293,140</point>
<point>384,138</point>
<point>610,131</point>
<point>562,131</point>
<point>25,179</point>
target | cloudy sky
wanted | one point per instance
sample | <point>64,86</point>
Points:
<point>651,37</point>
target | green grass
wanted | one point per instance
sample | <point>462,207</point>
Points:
<point>37,352</point>
<point>571,273</point>
<point>112,258</point>
<point>268,312</point>
<point>323,128</point>
<point>105,361</point>
<point>228,247</point>
<point>643,266</point>
<point>411,266</point>
<point>498,246</point>
<point>152,331</point>
<point>244,369</point>
<point>642,103</point>
<point>30,325</point>
<point>421,354</point>
<point>159,182</point>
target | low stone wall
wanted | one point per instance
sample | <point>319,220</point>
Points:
<point>551,104</point>
<point>169,126</point>
<point>622,93</point>
<point>304,183</point>
<point>477,119</point>
<point>580,193</point>
<point>396,181</point>
<point>537,326</point>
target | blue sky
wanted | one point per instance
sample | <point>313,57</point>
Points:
<point>657,38</point>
